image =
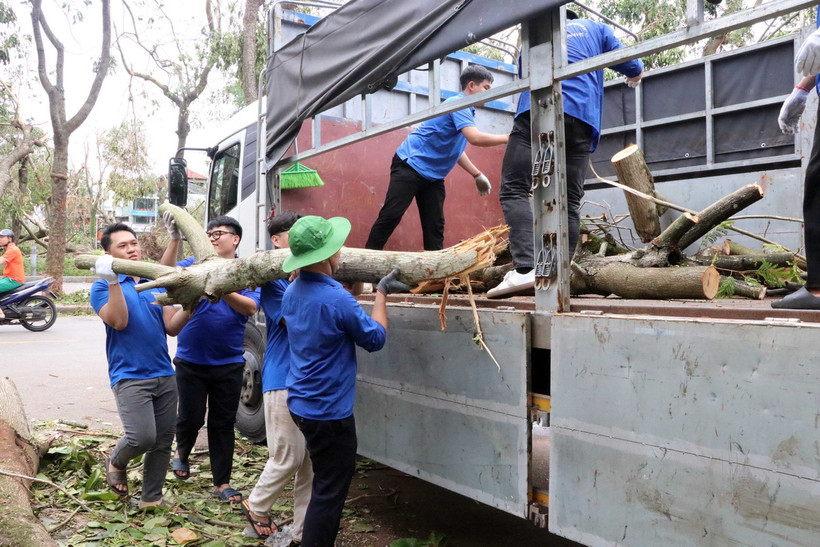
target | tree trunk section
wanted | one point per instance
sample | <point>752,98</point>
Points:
<point>18,454</point>
<point>744,263</point>
<point>629,281</point>
<point>632,171</point>
<point>55,261</point>
<point>721,210</point>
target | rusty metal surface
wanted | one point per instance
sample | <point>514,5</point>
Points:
<point>684,431</point>
<point>434,405</point>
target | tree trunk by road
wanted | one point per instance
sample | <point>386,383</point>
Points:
<point>18,455</point>
<point>63,127</point>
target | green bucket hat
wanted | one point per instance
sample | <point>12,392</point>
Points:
<point>313,239</point>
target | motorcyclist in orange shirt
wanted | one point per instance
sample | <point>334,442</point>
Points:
<point>12,262</point>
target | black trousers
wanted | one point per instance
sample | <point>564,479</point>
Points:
<point>406,184</point>
<point>811,212</point>
<point>332,445</point>
<point>516,183</point>
<point>215,388</point>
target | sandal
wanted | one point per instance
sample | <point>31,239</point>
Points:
<point>257,524</point>
<point>226,495</point>
<point>179,467</point>
<point>116,478</point>
<point>153,506</point>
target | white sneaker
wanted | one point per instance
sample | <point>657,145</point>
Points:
<point>512,284</point>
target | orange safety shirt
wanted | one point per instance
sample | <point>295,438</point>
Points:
<point>14,263</point>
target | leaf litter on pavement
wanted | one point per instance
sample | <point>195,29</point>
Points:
<point>194,518</point>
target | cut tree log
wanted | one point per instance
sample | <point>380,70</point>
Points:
<point>744,263</point>
<point>19,454</point>
<point>720,211</point>
<point>214,276</point>
<point>747,290</point>
<point>632,171</point>
<point>596,276</point>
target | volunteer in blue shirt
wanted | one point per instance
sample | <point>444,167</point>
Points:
<point>287,453</point>
<point>807,63</point>
<point>583,98</point>
<point>210,363</point>
<point>325,323</point>
<point>139,367</point>
<point>424,159</point>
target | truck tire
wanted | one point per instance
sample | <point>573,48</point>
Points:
<point>250,416</point>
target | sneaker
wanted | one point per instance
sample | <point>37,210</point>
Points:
<point>512,284</point>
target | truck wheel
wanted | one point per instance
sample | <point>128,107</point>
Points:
<point>250,416</point>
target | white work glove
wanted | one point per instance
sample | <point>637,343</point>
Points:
<point>104,268</point>
<point>171,225</point>
<point>791,111</point>
<point>634,80</point>
<point>807,60</point>
<point>482,184</point>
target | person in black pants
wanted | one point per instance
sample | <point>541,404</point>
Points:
<point>423,160</point>
<point>583,101</point>
<point>807,62</point>
<point>210,363</point>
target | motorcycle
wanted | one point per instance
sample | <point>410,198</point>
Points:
<point>24,306</point>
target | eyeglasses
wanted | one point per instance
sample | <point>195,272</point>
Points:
<point>216,234</point>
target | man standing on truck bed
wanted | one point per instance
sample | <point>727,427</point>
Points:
<point>210,363</point>
<point>423,160</point>
<point>583,102</point>
<point>806,62</point>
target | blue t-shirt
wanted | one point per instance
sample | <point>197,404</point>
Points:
<point>325,324</point>
<point>277,351</point>
<point>140,350</point>
<point>584,95</point>
<point>435,146</point>
<point>215,332</point>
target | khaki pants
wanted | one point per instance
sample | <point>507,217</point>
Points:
<point>287,456</point>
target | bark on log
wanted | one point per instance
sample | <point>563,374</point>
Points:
<point>742,263</point>
<point>629,281</point>
<point>632,171</point>
<point>676,230</point>
<point>720,211</point>
<point>747,290</point>
<point>191,229</point>
<point>214,276</point>
<point>18,454</point>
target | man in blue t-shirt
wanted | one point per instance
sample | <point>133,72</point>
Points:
<point>287,453</point>
<point>139,367</point>
<point>583,98</point>
<point>423,160</point>
<point>807,63</point>
<point>210,363</point>
<point>325,323</point>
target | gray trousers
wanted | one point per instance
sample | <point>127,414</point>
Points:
<point>148,411</point>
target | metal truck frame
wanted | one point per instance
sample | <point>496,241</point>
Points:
<point>668,424</point>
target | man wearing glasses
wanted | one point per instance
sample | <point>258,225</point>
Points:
<point>210,364</point>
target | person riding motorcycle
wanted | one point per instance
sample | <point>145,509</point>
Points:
<point>12,262</point>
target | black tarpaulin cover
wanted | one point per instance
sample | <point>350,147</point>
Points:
<point>364,42</point>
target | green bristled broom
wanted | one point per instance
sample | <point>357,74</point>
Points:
<point>299,176</point>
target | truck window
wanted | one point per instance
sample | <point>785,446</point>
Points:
<point>224,182</point>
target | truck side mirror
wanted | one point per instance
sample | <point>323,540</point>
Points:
<point>178,182</point>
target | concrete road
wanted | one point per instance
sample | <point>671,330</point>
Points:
<point>62,373</point>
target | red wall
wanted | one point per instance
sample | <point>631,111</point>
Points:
<point>356,179</point>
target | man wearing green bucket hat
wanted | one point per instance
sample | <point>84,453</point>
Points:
<point>325,323</point>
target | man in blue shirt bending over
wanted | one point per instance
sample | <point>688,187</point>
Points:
<point>210,363</point>
<point>139,367</point>
<point>325,323</point>
<point>583,102</point>
<point>424,159</point>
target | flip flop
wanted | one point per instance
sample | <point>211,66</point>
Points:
<point>178,467</point>
<point>226,495</point>
<point>256,524</point>
<point>116,478</point>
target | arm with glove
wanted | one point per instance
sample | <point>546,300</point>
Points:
<point>169,257</point>
<point>388,284</point>
<point>115,312</point>
<point>482,183</point>
<point>794,105</point>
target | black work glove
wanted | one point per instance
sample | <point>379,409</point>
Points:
<point>390,283</point>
